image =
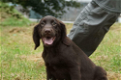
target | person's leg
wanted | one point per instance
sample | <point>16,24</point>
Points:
<point>91,26</point>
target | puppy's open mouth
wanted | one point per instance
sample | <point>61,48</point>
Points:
<point>48,40</point>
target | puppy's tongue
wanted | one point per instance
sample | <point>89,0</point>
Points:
<point>48,41</point>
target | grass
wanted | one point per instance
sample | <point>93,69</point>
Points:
<point>19,60</point>
<point>15,22</point>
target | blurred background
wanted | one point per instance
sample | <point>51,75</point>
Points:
<point>34,10</point>
<point>19,60</point>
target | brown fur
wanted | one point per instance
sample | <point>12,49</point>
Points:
<point>64,60</point>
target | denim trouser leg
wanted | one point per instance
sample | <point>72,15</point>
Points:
<point>91,26</point>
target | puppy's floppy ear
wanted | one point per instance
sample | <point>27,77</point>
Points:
<point>36,37</point>
<point>63,34</point>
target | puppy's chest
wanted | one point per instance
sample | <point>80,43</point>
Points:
<point>54,60</point>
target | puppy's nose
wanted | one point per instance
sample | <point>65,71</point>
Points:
<point>47,31</point>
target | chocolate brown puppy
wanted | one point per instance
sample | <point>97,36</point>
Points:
<point>63,59</point>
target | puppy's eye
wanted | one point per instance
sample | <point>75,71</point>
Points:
<point>54,23</point>
<point>42,24</point>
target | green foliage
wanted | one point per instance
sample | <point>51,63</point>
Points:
<point>8,11</point>
<point>46,7</point>
<point>11,17</point>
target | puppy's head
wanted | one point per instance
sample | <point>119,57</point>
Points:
<point>51,31</point>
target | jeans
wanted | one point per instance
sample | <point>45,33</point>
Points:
<point>90,27</point>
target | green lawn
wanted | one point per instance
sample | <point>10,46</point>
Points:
<point>19,60</point>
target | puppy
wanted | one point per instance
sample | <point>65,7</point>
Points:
<point>63,59</point>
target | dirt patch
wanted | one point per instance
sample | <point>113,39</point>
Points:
<point>16,30</point>
<point>114,76</point>
<point>101,57</point>
<point>34,57</point>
